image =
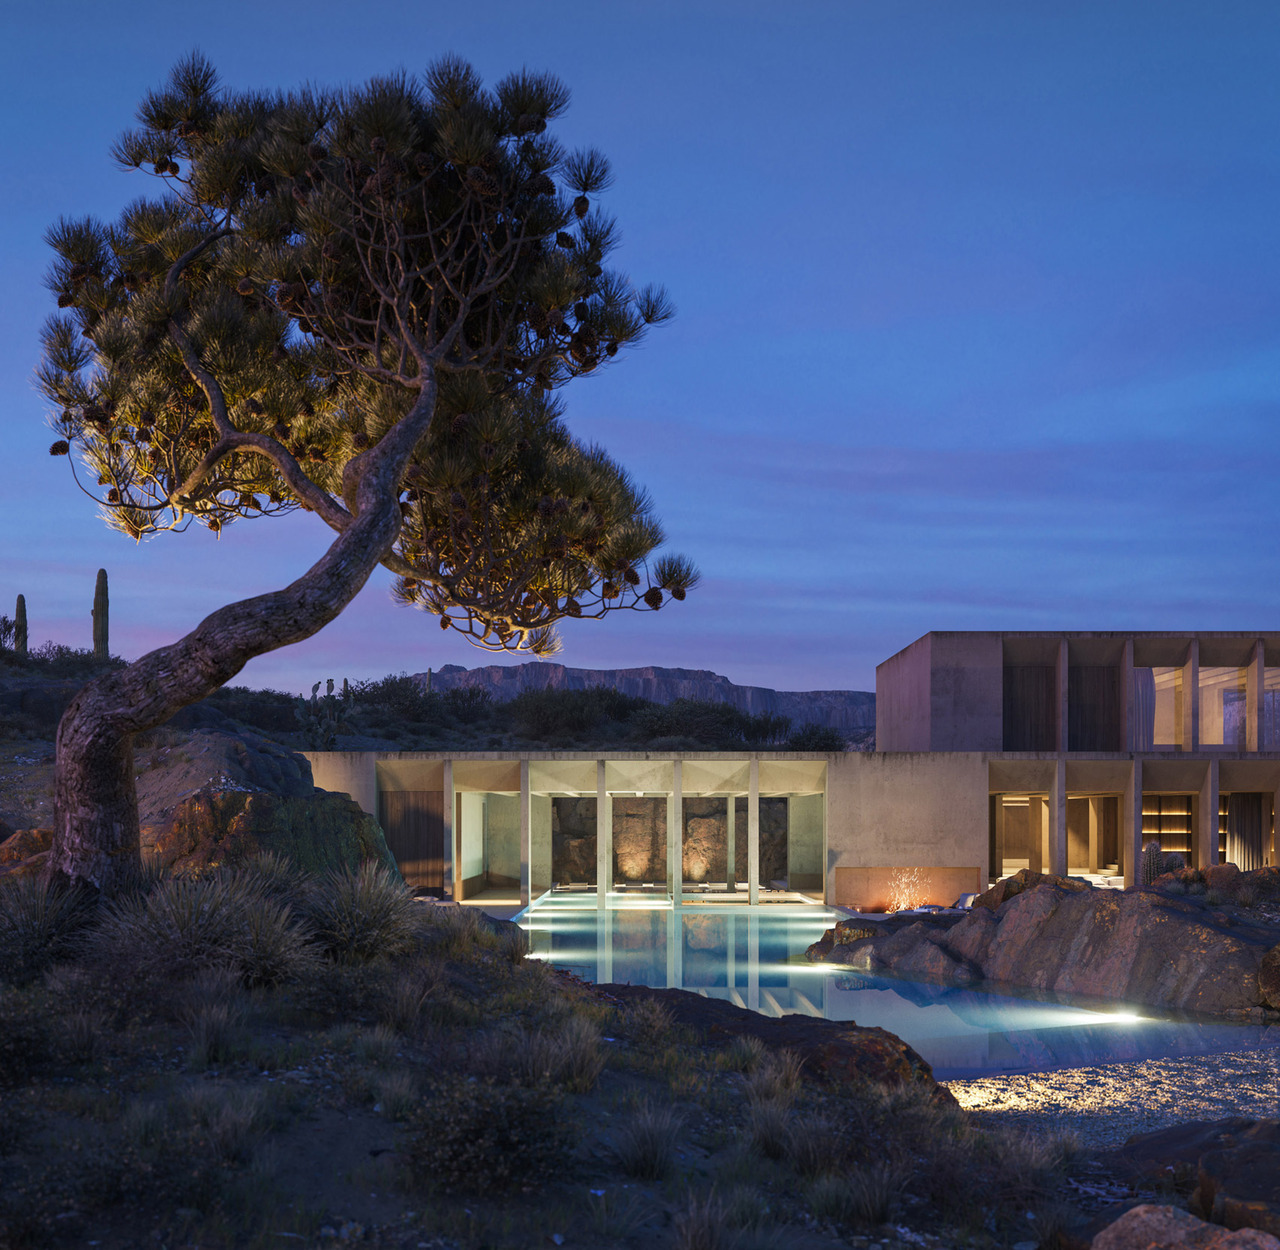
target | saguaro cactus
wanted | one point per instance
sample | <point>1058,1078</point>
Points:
<point>20,628</point>
<point>100,613</point>
<point>1152,862</point>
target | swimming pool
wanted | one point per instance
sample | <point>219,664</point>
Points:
<point>754,957</point>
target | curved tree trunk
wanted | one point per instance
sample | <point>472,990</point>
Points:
<point>96,836</point>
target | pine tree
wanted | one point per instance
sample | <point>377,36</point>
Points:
<point>362,303</point>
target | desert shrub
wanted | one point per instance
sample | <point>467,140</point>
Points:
<point>1214,898</point>
<point>40,925</point>
<point>814,1144</point>
<point>215,1030</point>
<point>478,1135</point>
<point>645,1145</point>
<point>777,1079</point>
<point>769,1126</point>
<point>458,931</point>
<point>408,994</point>
<point>862,1198</point>
<point>513,943</point>
<point>702,1224</point>
<point>361,915</point>
<point>397,1095</point>
<point>184,926</point>
<point>233,1118</point>
<point>377,1045</point>
<point>398,696</point>
<point>648,1022</point>
<point>328,992</point>
<point>274,876</point>
<point>815,738</point>
<point>744,1054</point>
<point>468,704</point>
<point>567,1054</point>
<point>270,710</point>
<point>544,714</point>
<point>80,1035</point>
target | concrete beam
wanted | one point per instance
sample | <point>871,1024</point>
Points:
<point>730,830</point>
<point>753,832</point>
<point>1191,698</point>
<point>1095,834</point>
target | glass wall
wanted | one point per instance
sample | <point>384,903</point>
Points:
<point>1222,707</point>
<point>1157,709</point>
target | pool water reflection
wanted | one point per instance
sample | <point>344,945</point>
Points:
<point>754,957</point>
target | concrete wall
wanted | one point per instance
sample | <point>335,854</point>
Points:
<point>539,844</point>
<point>902,699</point>
<point>804,842</point>
<point>347,772</point>
<point>503,836</point>
<point>907,808</point>
<point>966,693</point>
<point>471,860</point>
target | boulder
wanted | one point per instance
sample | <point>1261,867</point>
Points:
<point>833,1051</point>
<point>316,831</point>
<point>1136,946</point>
<point>23,844</point>
<point>1151,1227</point>
<point>1023,879</point>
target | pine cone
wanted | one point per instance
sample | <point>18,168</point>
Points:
<point>610,590</point>
<point>65,300</point>
<point>317,151</point>
<point>482,182</point>
<point>572,607</point>
<point>631,577</point>
<point>653,597</point>
<point>564,240</point>
<point>528,124</point>
<point>214,524</point>
<point>113,495</point>
<point>60,448</point>
<point>130,280</point>
<point>540,184</point>
<point>678,594</point>
<point>581,205</point>
<point>582,310</point>
<point>377,144</point>
<point>360,440</point>
<point>444,622</point>
<point>611,349</point>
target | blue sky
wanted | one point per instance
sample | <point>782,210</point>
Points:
<point>979,315</point>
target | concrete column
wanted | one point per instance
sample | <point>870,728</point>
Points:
<point>675,835</point>
<point>998,866</point>
<point>1058,819</point>
<point>526,825</point>
<point>753,959</point>
<point>1095,835</point>
<point>452,851</point>
<point>1063,669</point>
<point>1035,833</point>
<point>1191,698</point>
<point>1207,823</point>
<point>604,838</point>
<point>730,820</point>
<point>347,772</point>
<point>1270,843</point>
<point>753,835</point>
<point>1131,823</point>
<point>1254,682</point>
<point>1126,696</point>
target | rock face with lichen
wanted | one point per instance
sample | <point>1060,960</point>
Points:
<point>316,832</point>
<point>1135,946</point>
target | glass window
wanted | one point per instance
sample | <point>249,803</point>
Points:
<point>1157,709</point>
<point>1222,707</point>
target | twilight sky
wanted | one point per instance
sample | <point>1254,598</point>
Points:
<point>979,315</point>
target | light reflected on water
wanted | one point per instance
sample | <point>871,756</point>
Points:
<point>754,958</point>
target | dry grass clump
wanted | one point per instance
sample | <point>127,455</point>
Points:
<point>567,1054</point>
<point>397,1094</point>
<point>40,925</point>
<point>234,1118</point>
<point>645,1146</point>
<point>744,1054</point>
<point>363,915</point>
<point>648,1022</point>
<point>776,1079</point>
<point>185,925</point>
<point>702,1224</point>
<point>769,1126</point>
<point>215,1033</point>
<point>862,1198</point>
<point>409,994</point>
<point>814,1144</point>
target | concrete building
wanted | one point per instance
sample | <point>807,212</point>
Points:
<point>995,751</point>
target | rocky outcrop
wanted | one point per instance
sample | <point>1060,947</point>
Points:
<point>849,711</point>
<point>1230,1168</point>
<point>1024,879</point>
<point>1135,946</point>
<point>832,1051</point>
<point>23,852</point>
<point>316,832</point>
<point>1151,1227</point>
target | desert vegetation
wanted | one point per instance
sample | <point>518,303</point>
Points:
<point>257,1056</point>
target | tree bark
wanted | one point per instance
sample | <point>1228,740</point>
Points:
<point>96,838</point>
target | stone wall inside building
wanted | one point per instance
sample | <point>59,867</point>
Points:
<point>640,840</point>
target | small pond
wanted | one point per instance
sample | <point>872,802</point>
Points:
<point>754,957</point>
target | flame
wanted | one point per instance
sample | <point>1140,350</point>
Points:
<point>907,889</point>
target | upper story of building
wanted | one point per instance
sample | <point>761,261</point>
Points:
<point>1094,692</point>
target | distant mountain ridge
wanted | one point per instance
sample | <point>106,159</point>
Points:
<point>849,711</point>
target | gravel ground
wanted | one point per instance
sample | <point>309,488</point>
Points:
<point>1103,1106</point>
